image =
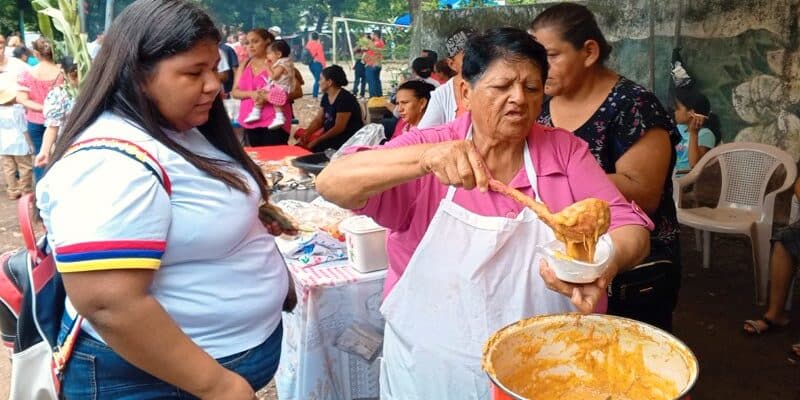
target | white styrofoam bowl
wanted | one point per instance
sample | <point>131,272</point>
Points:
<point>577,271</point>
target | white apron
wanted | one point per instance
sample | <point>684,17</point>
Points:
<point>469,276</point>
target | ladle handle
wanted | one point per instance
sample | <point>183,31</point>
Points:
<point>540,209</point>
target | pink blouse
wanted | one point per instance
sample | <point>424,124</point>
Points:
<point>248,82</point>
<point>566,171</point>
<point>37,91</point>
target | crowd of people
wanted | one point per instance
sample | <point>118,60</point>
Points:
<point>150,269</point>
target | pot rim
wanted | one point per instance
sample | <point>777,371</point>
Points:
<point>502,332</point>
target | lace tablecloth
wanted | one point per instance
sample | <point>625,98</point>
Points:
<point>338,308</point>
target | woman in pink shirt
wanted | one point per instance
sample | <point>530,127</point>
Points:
<point>249,85</point>
<point>412,100</point>
<point>33,88</point>
<point>463,262</point>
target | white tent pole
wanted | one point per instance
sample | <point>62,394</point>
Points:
<point>349,42</point>
<point>372,22</point>
<point>334,40</point>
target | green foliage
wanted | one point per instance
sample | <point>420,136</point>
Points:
<point>63,16</point>
<point>9,16</point>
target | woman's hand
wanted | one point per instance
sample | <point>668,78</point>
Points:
<point>310,144</point>
<point>584,296</point>
<point>231,387</point>
<point>456,163</point>
<point>260,97</point>
<point>42,159</point>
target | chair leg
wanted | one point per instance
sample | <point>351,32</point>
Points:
<point>698,240</point>
<point>706,249</point>
<point>788,305</point>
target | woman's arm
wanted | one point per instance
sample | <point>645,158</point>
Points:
<point>43,158</point>
<point>25,100</point>
<point>120,307</point>
<point>631,246</point>
<point>351,180</point>
<point>313,126</point>
<point>337,129</point>
<point>237,93</point>
<point>643,169</point>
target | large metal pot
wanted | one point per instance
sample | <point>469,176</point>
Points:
<point>572,356</point>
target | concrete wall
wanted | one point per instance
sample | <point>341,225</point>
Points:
<point>744,54</point>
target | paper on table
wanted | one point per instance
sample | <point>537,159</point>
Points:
<point>361,340</point>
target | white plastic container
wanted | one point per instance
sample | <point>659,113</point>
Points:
<point>366,243</point>
<point>577,271</point>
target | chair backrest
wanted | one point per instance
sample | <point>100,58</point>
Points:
<point>746,170</point>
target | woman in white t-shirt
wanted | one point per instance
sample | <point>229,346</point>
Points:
<point>158,238</point>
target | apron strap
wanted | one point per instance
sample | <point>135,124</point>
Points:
<point>529,169</point>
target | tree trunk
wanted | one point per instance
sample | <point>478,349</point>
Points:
<point>414,6</point>
<point>320,22</point>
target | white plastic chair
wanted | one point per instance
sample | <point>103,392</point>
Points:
<point>743,206</point>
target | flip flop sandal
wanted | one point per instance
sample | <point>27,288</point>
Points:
<point>793,358</point>
<point>770,326</point>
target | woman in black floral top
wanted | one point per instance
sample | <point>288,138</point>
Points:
<point>628,131</point>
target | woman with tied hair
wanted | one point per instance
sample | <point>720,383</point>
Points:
<point>175,304</point>
<point>463,261</point>
<point>339,115</point>
<point>629,133</point>
<point>34,85</point>
<point>412,100</point>
<point>250,84</point>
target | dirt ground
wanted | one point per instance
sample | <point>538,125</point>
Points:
<point>709,316</point>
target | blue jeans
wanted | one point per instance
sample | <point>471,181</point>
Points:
<point>360,78</point>
<point>96,372</point>
<point>36,132</point>
<point>374,80</point>
<point>316,70</point>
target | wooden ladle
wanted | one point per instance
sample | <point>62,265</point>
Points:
<point>579,225</point>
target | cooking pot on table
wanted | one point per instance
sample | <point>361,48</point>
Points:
<point>573,356</point>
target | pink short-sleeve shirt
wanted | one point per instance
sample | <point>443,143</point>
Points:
<point>566,172</point>
<point>37,91</point>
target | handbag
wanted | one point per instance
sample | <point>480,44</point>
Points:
<point>648,283</point>
<point>32,295</point>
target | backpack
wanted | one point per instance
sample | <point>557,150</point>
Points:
<point>32,294</point>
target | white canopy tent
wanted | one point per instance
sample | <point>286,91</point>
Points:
<point>345,21</point>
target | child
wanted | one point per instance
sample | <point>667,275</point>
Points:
<point>57,106</point>
<point>281,74</point>
<point>15,148</point>
<point>697,127</point>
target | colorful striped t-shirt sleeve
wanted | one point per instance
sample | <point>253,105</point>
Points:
<point>104,210</point>
<point>114,254</point>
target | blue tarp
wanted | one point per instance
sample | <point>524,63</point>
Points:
<point>465,3</point>
<point>404,19</point>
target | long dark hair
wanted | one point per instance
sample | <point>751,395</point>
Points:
<point>698,102</point>
<point>152,31</point>
<point>576,24</point>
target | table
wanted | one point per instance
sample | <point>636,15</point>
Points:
<point>276,153</point>
<point>332,297</point>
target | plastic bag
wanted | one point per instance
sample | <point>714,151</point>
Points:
<point>369,135</point>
